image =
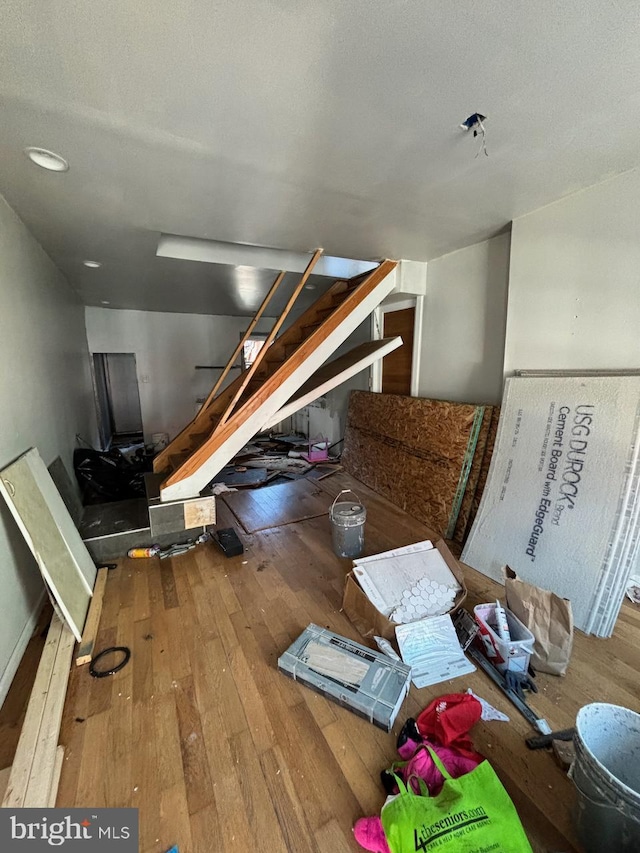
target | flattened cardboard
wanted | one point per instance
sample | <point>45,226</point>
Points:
<point>370,621</point>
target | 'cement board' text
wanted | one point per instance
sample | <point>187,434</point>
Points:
<point>565,463</point>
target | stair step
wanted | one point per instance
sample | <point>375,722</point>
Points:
<point>290,349</point>
<point>196,438</point>
<point>323,313</point>
<point>176,459</point>
<point>277,360</point>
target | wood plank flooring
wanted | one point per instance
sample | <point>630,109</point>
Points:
<point>261,509</point>
<point>220,752</point>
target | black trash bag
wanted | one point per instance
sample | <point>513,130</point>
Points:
<point>105,477</point>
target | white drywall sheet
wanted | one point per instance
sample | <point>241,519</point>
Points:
<point>53,538</point>
<point>560,505</point>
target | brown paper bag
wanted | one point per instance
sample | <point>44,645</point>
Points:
<point>548,617</point>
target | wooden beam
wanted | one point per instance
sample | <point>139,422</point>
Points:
<point>41,778</point>
<point>274,331</point>
<point>85,650</point>
<point>245,337</point>
<point>33,770</point>
<point>334,373</point>
<point>4,781</point>
<point>55,781</point>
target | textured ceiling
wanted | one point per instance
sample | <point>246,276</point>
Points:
<point>301,124</point>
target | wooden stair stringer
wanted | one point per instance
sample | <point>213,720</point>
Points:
<point>200,424</point>
<point>204,421</point>
<point>200,468</point>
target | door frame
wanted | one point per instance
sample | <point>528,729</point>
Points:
<point>377,325</point>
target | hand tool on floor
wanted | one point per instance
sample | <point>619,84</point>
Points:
<point>540,741</point>
<point>498,678</point>
<point>176,550</point>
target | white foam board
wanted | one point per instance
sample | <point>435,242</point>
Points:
<point>48,529</point>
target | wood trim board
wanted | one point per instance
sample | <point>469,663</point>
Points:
<point>50,533</point>
<point>244,338</point>
<point>334,373</point>
<point>85,650</point>
<point>253,369</point>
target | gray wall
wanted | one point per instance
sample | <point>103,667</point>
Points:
<point>463,326</point>
<point>167,348</point>
<point>574,290</point>
<point>45,399</point>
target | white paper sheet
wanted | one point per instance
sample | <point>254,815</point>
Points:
<point>431,648</point>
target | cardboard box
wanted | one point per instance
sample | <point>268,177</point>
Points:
<point>370,621</point>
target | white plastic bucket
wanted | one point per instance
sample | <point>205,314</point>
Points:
<point>347,526</point>
<point>606,773</point>
<point>159,440</point>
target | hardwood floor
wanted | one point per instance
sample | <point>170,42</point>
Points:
<point>220,752</point>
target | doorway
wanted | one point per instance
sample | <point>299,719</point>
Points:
<point>398,372</point>
<point>396,367</point>
<point>117,397</point>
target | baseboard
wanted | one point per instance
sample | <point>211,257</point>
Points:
<point>16,656</point>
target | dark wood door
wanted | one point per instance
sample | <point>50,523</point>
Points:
<point>396,367</point>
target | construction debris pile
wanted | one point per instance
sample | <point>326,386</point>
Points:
<point>273,459</point>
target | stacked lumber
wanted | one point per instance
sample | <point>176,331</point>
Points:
<point>426,456</point>
<point>34,776</point>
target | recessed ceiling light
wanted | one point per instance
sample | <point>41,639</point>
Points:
<point>93,265</point>
<point>105,302</point>
<point>47,159</point>
<point>309,287</point>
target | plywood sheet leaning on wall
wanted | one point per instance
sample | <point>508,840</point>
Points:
<point>49,531</point>
<point>417,452</point>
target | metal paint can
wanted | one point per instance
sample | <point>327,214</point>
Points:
<point>347,526</point>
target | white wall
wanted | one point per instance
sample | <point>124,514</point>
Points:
<point>167,349</point>
<point>45,399</point>
<point>574,291</point>
<point>327,416</point>
<point>463,327</point>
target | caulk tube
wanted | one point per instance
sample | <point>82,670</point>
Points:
<point>502,626</point>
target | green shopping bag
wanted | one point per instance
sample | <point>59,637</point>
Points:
<point>472,814</point>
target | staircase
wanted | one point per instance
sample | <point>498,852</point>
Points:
<point>231,418</point>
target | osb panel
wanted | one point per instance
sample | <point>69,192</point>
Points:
<point>437,427</point>
<point>410,450</point>
<point>474,475</point>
